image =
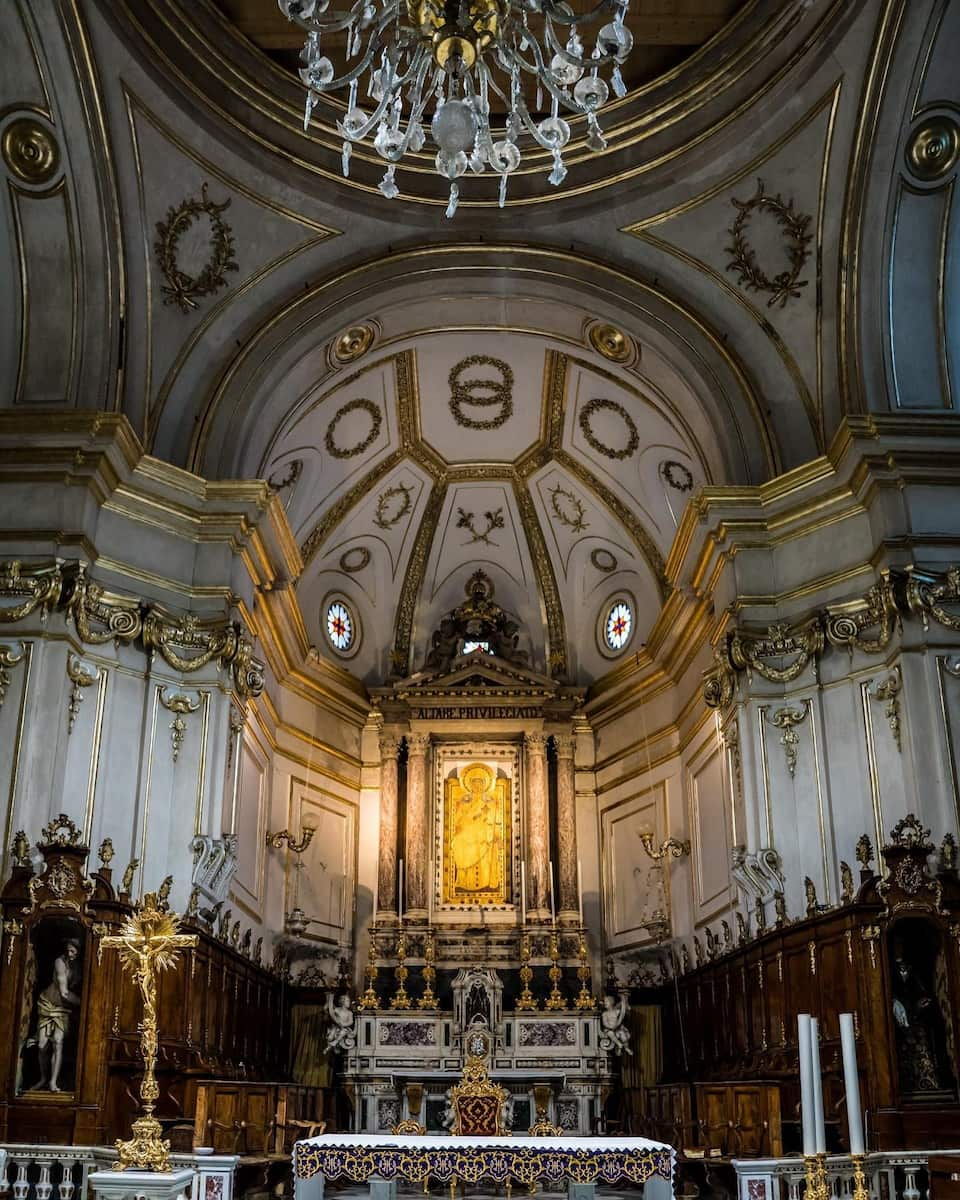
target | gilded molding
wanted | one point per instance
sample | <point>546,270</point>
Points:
<point>543,567</point>
<point>337,511</point>
<point>413,579</point>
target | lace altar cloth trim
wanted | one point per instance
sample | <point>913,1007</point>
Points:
<point>554,1160</point>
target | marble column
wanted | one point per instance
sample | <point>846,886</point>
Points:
<point>568,904</point>
<point>537,850</point>
<point>387,862</point>
<point>416,854</point>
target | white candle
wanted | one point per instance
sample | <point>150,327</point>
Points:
<point>553,907</point>
<point>806,1085</point>
<point>400,893</point>
<point>523,893</point>
<point>819,1124</point>
<point>430,893</point>
<point>580,889</point>
<point>851,1081</point>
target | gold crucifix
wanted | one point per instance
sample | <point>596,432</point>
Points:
<point>148,942</point>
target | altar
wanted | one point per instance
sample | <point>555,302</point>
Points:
<point>580,1163</point>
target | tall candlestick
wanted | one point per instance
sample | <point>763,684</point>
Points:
<point>553,907</point>
<point>430,894</point>
<point>819,1123</point>
<point>580,889</point>
<point>806,1085</point>
<point>400,894</point>
<point>851,1081</point>
<point>523,893</point>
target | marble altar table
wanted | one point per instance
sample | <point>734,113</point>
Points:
<point>579,1162</point>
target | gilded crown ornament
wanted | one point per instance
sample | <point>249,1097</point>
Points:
<point>442,65</point>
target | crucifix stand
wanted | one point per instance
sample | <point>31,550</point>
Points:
<point>149,942</point>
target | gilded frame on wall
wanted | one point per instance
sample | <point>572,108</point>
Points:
<point>477,864</point>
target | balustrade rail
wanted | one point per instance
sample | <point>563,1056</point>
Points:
<point>35,1172</point>
<point>891,1175</point>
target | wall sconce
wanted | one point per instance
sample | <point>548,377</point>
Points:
<point>672,847</point>
<point>296,921</point>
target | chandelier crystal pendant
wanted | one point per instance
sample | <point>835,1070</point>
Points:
<point>436,64</point>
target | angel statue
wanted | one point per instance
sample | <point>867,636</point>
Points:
<point>614,1037</point>
<point>340,1034</point>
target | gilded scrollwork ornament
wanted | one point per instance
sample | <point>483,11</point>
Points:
<point>493,519</point>
<point>720,680</point>
<point>9,658</point>
<point>80,677</point>
<point>932,596</point>
<point>848,625</point>
<point>100,616</point>
<point>31,587</point>
<point>887,692</point>
<point>786,720</point>
<point>20,850</point>
<point>781,653</point>
<point>181,706</point>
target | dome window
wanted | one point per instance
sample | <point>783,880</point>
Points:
<point>617,626</point>
<point>340,626</point>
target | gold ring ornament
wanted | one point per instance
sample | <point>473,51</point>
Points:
<point>376,422</point>
<point>30,151</point>
<point>611,342</point>
<point>353,343</point>
<point>933,148</point>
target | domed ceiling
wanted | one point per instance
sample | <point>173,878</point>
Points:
<point>409,455</point>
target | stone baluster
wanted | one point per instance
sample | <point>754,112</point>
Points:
<point>538,842</point>
<point>44,1185</point>
<point>67,1187</point>
<point>568,907</point>
<point>387,867</point>
<point>416,855</point>
<point>21,1185</point>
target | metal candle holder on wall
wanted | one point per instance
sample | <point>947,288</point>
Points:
<point>296,921</point>
<point>526,1001</point>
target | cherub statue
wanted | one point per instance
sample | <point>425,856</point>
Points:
<point>614,1038</point>
<point>340,1034</point>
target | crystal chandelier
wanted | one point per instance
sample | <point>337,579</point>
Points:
<point>438,61</point>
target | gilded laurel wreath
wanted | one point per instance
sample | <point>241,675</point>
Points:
<point>182,288</point>
<point>796,236</point>
<point>376,422</point>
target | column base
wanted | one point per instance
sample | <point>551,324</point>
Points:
<point>569,916</point>
<point>387,917</point>
<point>416,916</point>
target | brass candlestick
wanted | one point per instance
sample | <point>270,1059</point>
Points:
<point>824,1187</point>
<point>585,999</point>
<point>400,997</point>
<point>859,1178</point>
<point>369,999</point>
<point>428,999</point>
<point>526,1001</point>
<point>555,1000</point>
<point>148,942</point>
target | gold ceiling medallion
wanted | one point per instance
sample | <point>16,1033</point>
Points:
<point>785,284</point>
<point>612,343</point>
<point>376,422</point>
<point>181,287</point>
<point>30,151</point>
<point>481,393</point>
<point>493,519</point>
<point>676,475</point>
<point>568,509</point>
<point>590,409</point>
<point>355,559</point>
<point>392,506</point>
<point>353,343</point>
<point>933,148</point>
<point>290,476</point>
<point>603,560</point>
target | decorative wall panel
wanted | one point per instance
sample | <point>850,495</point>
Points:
<point>251,828</point>
<point>630,882</point>
<point>329,874</point>
<point>710,832</point>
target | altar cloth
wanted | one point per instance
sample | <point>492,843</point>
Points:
<point>362,1156</point>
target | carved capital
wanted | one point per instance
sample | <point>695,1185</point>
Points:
<point>535,743</point>
<point>566,745</point>
<point>418,743</point>
<point>389,746</point>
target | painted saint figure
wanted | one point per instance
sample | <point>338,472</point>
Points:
<point>56,1005</point>
<point>476,844</point>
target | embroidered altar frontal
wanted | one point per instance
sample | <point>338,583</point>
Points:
<point>359,1157</point>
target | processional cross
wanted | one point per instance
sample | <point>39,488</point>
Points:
<point>148,942</point>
